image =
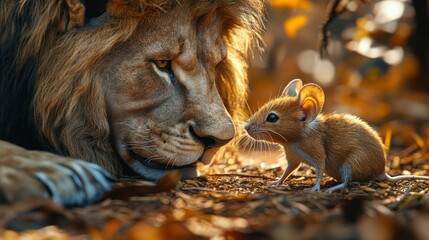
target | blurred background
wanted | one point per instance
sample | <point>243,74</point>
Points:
<point>375,64</point>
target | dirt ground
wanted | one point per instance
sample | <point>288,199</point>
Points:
<point>232,201</point>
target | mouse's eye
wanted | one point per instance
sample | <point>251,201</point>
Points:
<point>272,118</point>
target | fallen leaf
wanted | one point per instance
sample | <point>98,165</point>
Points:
<point>168,181</point>
<point>192,183</point>
<point>383,185</point>
<point>367,189</point>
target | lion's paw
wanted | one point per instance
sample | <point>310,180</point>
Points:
<point>77,183</point>
<point>27,174</point>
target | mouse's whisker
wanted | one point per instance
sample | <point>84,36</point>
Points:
<point>278,134</point>
<point>236,141</point>
<point>279,93</point>
<point>249,144</point>
<point>269,135</point>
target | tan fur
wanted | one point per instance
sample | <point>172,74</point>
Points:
<point>340,145</point>
<point>69,103</point>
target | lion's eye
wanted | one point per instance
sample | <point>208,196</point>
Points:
<point>166,66</point>
<point>161,63</point>
<point>272,118</point>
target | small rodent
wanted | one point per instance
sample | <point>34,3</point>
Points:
<point>340,145</point>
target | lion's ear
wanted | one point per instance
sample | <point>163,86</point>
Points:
<point>134,8</point>
<point>76,17</point>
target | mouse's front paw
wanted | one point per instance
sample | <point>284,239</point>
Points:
<point>274,183</point>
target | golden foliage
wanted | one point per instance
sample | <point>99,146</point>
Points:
<point>292,4</point>
<point>294,24</point>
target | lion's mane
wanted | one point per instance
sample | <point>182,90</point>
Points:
<point>51,98</point>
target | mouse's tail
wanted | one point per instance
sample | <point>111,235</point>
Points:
<point>404,177</point>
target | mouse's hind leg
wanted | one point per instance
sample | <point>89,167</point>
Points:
<point>337,187</point>
<point>346,176</point>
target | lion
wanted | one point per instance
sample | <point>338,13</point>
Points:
<point>91,90</point>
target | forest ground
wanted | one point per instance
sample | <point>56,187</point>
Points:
<point>233,201</point>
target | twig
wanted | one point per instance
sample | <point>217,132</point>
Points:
<point>331,14</point>
<point>239,175</point>
<point>203,189</point>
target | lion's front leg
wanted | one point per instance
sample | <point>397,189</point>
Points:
<point>25,174</point>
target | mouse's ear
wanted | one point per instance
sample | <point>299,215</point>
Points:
<point>311,99</point>
<point>292,88</point>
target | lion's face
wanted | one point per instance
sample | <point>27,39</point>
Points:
<point>153,82</point>
<point>163,106</point>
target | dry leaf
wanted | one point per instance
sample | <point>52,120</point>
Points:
<point>383,185</point>
<point>168,181</point>
<point>367,189</point>
<point>192,183</point>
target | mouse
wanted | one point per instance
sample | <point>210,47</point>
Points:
<point>342,146</point>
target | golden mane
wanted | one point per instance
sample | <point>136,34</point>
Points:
<point>69,106</point>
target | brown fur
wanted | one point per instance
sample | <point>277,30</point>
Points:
<point>340,145</point>
<point>71,61</point>
<point>325,139</point>
<point>86,134</point>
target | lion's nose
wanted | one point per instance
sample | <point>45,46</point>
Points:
<point>210,140</point>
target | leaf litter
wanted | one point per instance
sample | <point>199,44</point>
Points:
<point>239,205</point>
